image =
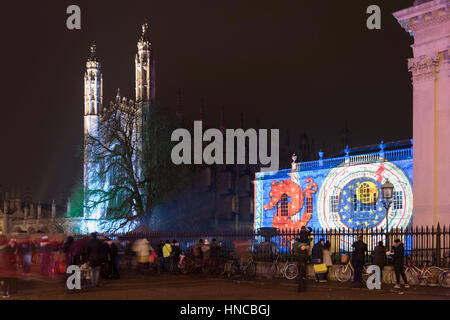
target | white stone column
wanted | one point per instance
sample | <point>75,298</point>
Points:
<point>429,23</point>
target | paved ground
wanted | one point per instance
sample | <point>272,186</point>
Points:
<point>199,287</point>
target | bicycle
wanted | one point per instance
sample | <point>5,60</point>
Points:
<point>345,272</point>
<point>187,264</point>
<point>444,279</point>
<point>246,269</point>
<point>415,275</point>
<point>288,271</point>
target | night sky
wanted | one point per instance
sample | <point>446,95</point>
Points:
<point>295,65</point>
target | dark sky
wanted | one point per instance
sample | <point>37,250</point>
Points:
<point>295,65</point>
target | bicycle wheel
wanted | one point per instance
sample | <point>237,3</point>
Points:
<point>444,279</point>
<point>435,273</point>
<point>183,267</point>
<point>411,276</point>
<point>291,271</point>
<point>343,273</point>
<point>250,270</point>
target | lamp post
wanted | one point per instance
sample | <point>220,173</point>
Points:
<point>387,192</point>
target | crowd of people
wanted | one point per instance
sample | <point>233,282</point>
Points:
<point>101,256</point>
<point>321,258</point>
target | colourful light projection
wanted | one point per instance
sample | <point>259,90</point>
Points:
<point>343,197</point>
<point>287,215</point>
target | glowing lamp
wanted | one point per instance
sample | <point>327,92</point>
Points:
<point>387,190</point>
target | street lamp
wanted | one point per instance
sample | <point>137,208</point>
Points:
<point>387,192</point>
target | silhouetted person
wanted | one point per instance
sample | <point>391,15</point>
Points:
<point>359,250</point>
<point>398,257</point>
<point>94,254</point>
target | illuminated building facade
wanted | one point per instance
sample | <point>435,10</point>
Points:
<point>338,193</point>
<point>94,111</point>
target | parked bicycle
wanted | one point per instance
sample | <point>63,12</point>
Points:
<point>246,269</point>
<point>288,271</point>
<point>426,275</point>
<point>345,271</point>
<point>187,264</point>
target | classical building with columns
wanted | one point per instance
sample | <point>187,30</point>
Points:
<point>429,23</point>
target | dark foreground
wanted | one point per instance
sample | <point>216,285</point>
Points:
<point>198,287</point>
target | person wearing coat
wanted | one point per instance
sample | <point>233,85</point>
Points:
<point>167,251</point>
<point>326,253</point>
<point>142,249</point>
<point>8,272</point>
<point>379,256</point>
<point>302,258</point>
<point>317,257</point>
<point>359,250</point>
<point>94,256</point>
<point>398,256</point>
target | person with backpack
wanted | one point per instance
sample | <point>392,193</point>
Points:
<point>358,256</point>
<point>398,260</point>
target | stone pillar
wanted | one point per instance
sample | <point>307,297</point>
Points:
<point>429,23</point>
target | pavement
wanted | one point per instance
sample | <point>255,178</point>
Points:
<point>200,287</point>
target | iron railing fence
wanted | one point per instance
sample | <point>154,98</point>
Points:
<point>423,245</point>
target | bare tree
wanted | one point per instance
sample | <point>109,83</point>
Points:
<point>130,169</point>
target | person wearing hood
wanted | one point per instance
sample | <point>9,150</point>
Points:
<point>398,256</point>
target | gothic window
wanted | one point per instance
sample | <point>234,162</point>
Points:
<point>283,205</point>
<point>334,203</point>
<point>309,205</point>
<point>397,202</point>
<point>364,197</point>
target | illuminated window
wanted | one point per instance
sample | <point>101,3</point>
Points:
<point>309,205</point>
<point>365,197</point>
<point>397,202</point>
<point>282,209</point>
<point>334,203</point>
